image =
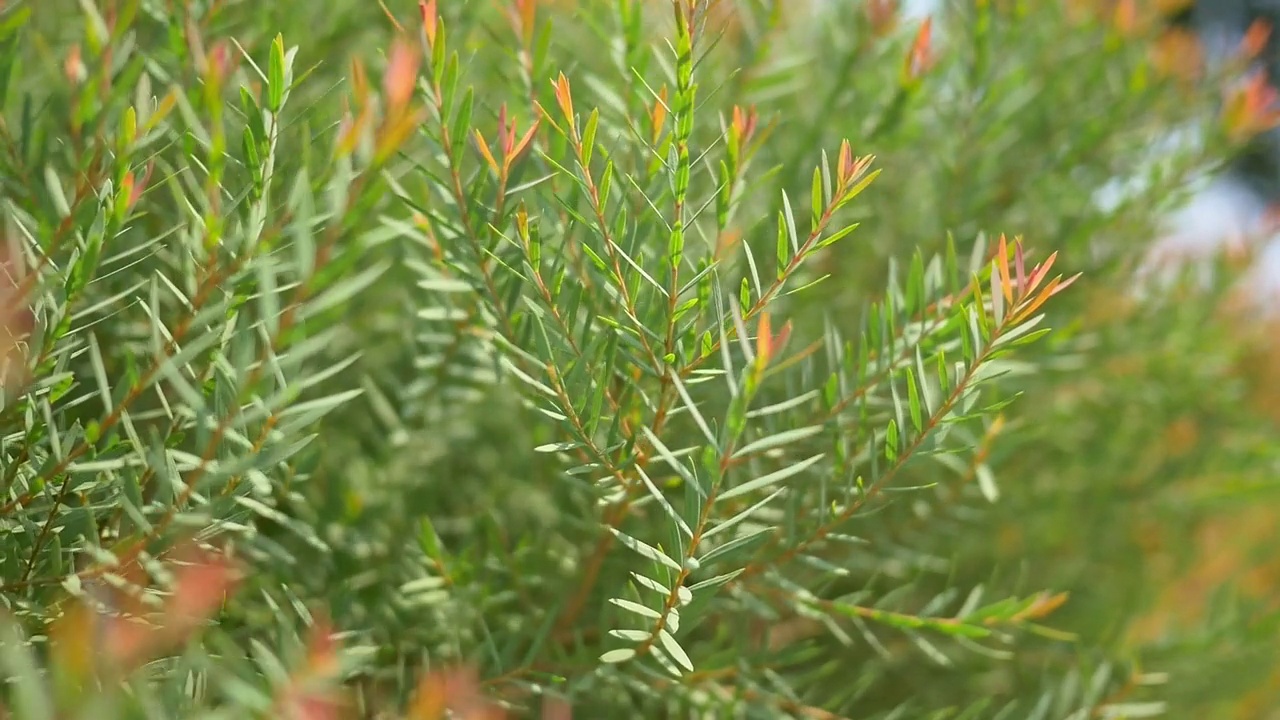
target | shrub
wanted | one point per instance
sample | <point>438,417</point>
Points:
<point>592,349</point>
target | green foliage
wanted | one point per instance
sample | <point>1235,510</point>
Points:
<point>623,377</point>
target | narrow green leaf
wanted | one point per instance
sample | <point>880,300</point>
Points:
<point>650,583</point>
<point>56,193</point>
<point>557,447</point>
<point>777,440</point>
<point>636,608</point>
<point>275,75</point>
<point>738,544</point>
<point>987,482</point>
<point>461,127</point>
<point>785,405</point>
<point>620,655</point>
<point>742,516</point>
<point>661,499</point>
<point>913,402</point>
<point>783,250</point>
<point>28,692</point>
<point>790,218</point>
<point>645,550</point>
<point>692,407</point>
<point>816,196</point>
<point>715,582</point>
<point>589,139</point>
<point>777,476</point>
<point>673,649</point>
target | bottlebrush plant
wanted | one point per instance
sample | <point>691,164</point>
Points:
<point>642,359</point>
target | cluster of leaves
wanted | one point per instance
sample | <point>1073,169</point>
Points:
<point>119,663</point>
<point>621,378</point>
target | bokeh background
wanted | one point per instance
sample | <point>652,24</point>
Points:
<point>1139,471</point>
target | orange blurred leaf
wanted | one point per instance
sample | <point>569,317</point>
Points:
<point>200,586</point>
<point>430,21</point>
<point>764,340</point>
<point>658,116</point>
<point>359,82</point>
<point>1179,54</point>
<point>921,58</point>
<point>525,12</point>
<point>882,16</point>
<point>1255,39</point>
<point>1125,17</point>
<point>16,318</point>
<point>71,644</point>
<point>401,75</point>
<point>1044,605</point>
<point>73,66</point>
<point>1251,108</point>
<point>456,692</point>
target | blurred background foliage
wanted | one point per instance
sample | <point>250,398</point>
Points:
<point>1138,475</point>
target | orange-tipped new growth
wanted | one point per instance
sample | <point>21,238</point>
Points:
<point>1006,284</point>
<point>1026,300</point>
<point>742,129</point>
<point>1251,108</point>
<point>482,146</point>
<point>510,143</point>
<point>851,168</point>
<point>430,21</point>
<point>658,116</point>
<point>513,147</point>
<point>1018,287</point>
<point>851,174</point>
<point>921,57</point>
<point>564,98</point>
